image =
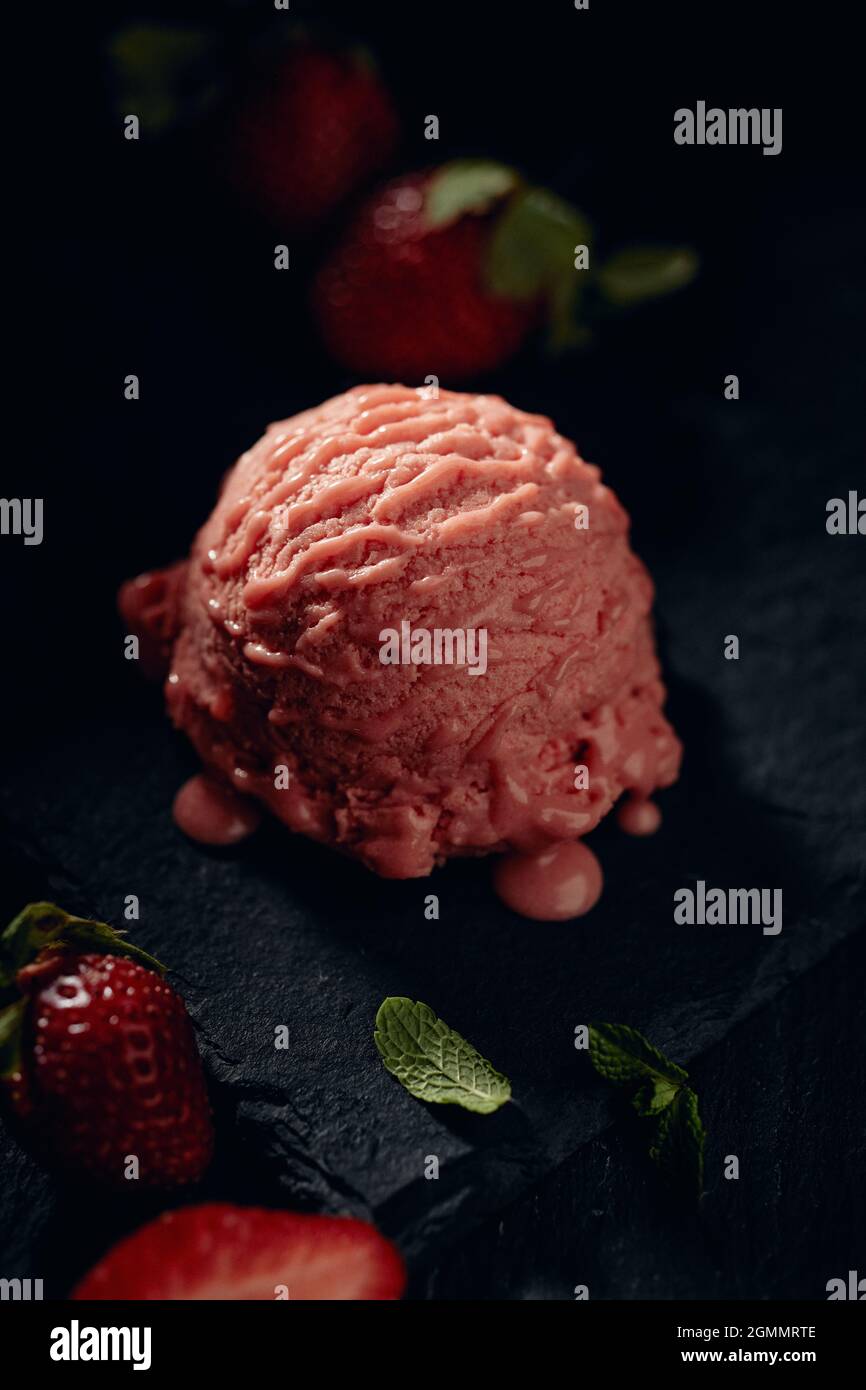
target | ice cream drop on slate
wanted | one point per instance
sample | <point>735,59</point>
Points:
<point>552,886</point>
<point>213,814</point>
<point>381,508</point>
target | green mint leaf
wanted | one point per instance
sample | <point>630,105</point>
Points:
<point>531,251</point>
<point>466,185</point>
<point>646,272</point>
<point>564,328</point>
<point>679,1140</point>
<point>622,1055</point>
<point>433,1062</point>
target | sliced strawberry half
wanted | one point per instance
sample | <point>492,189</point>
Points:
<point>223,1252</point>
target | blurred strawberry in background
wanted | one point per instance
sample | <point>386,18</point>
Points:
<point>294,131</point>
<point>405,291</point>
<point>446,271</point>
<point>308,129</point>
<point>442,272</point>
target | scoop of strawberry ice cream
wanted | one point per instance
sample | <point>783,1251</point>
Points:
<point>344,536</point>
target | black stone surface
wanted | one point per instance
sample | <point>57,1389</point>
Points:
<point>728,501</point>
<point>769,1097</point>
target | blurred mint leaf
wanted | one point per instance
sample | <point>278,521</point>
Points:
<point>640,273</point>
<point>433,1062</point>
<point>160,73</point>
<point>466,185</point>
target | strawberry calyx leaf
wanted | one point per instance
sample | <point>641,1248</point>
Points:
<point>532,249</point>
<point>530,256</point>
<point>466,186</point>
<point>363,60</point>
<point>534,255</point>
<point>161,73</point>
<point>39,931</point>
<point>639,273</point>
<point>11,1030</point>
<point>45,926</point>
<point>540,248</point>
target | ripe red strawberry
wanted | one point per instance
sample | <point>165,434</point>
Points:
<point>98,1055</point>
<point>218,1251</point>
<point>309,128</point>
<point>404,295</point>
<point>443,273</point>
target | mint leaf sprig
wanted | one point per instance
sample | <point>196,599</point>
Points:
<point>433,1062</point>
<point>660,1095</point>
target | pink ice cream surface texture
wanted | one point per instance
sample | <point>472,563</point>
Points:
<point>384,507</point>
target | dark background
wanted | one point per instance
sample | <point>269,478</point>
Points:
<point>133,259</point>
<point>140,262</point>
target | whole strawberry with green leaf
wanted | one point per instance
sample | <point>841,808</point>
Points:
<point>446,271</point>
<point>98,1058</point>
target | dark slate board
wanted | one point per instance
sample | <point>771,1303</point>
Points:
<point>785,1091</point>
<point>281,932</point>
<point>728,503</point>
